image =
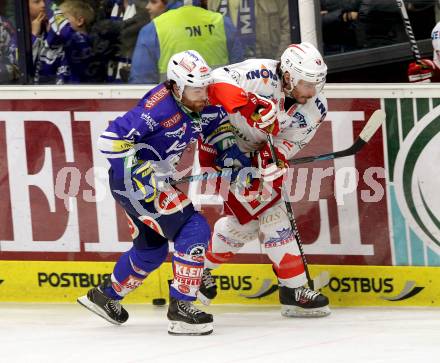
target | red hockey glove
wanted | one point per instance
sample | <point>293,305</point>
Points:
<point>421,71</point>
<point>259,112</point>
<point>268,169</point>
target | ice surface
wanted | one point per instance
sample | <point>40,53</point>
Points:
<point>70,333</point>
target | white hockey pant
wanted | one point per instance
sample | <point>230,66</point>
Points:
<point>273,230</point>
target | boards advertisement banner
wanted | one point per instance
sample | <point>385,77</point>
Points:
<point>64,281</point>
<point>376,208</point>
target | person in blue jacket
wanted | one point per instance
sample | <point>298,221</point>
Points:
<point>142,147</point>
<point>184,27</point>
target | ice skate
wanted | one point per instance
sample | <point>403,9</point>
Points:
<point>208,288</point>
<point>186,319</point>
<point>303,303</point>
<point>107,308</point>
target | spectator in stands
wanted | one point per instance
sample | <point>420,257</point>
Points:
<point>193,27</point>
<point>263,26</point>
<point>47,60</point>
<point>69,28</point>
<point>379,23</point>
<point>8,50</point>
<point>157,7</point>
<point>427,70</point>
<point>128,17</point>
<point>421,14</point>
<point>338,25</point>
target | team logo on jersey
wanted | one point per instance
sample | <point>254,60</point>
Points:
<point>321,107</point>
<point>299,120</point>
<point>180,132</point>
<point>171,201</point>
<point>208,117</point>
<point>155,98</point>
<point>172,121</point>
<point>151,124</point>
<point>262,73</point>
<point>416,179</point>
<point>177,146</point>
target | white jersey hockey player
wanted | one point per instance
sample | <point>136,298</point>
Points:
<point>293,86</point>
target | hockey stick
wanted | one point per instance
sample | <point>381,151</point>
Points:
<point>366,134</point>
<point>409,31</point>
<point>373,124</point>
<point>290,216</point>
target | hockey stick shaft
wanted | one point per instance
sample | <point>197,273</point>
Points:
<point>205,176</point>
<point>291,217</point>
<point>409,31</point>
<point>373,124</point>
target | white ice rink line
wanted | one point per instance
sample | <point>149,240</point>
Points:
<point>69,333</point>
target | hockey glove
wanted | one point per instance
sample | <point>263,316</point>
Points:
<point>232,158</point>
<point>259,111</point>
<point>269,170</point>
<point>421,71</point>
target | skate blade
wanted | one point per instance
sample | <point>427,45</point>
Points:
<point>291,311</point>
<point>203,299</point>
<point>181,328</point>
<point>84,301</point>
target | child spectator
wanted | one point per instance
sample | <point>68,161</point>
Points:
<point>69,28</point>
<point>46,61</point>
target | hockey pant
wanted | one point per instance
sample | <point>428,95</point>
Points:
<point>169,217</point>
<point>274,231</point>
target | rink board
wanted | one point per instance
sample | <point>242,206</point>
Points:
<point>55,206</point>
<point>53,281</point>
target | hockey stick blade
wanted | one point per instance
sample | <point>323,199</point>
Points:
<point>373,124</point>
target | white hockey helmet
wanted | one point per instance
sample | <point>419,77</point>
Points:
<point>303,61</point>
<point>188,68</point>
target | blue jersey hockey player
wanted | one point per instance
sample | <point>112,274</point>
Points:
<point>143,146</point>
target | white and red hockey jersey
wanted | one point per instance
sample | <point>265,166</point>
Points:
<point>297,124</point>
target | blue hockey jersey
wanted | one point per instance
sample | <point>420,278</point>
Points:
<point>158,129</point>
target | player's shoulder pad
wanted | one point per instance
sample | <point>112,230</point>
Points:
<point>158,107</point>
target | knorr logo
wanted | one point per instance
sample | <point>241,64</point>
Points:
<point>417,178</point>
